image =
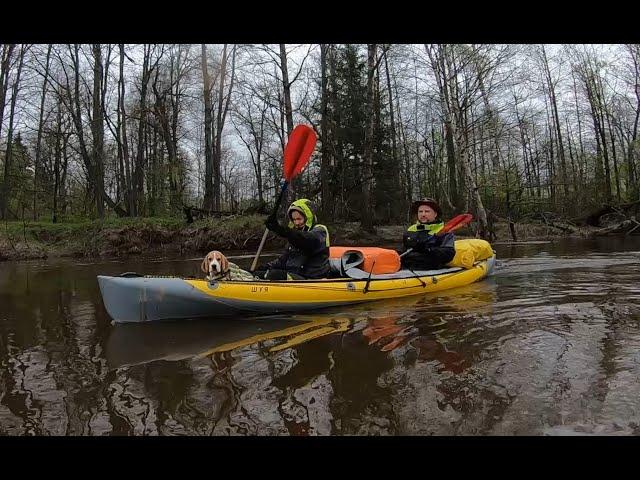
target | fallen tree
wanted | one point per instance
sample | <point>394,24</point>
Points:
<point>627,226</point>
<point>595,219</point>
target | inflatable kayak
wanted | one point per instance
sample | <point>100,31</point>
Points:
<point>143,299</point>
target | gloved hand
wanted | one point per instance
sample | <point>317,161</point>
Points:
<point>272,224</point>
<point>409,241</point>
<point>424,243</point>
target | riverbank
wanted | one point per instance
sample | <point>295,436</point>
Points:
<point>162,237</point>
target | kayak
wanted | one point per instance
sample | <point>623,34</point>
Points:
<point>145,298</point>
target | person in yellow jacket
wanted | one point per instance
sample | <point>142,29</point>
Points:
<point>423,249</point>
<point>307,255</point>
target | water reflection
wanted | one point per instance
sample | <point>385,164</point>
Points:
<point>550,345</point>
<point>132,344</point>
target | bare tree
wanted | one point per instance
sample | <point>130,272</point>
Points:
<point>224,96</point>
<point>367,214</point>
<point>5,67</point>
<point>208,202</point>
<point>633,146</point>
<point>448,64</point>
<point>550,85</point>
<point>150,66</point>
<point>6,183</point>
<point>36,167</point>
<point>250,121</point>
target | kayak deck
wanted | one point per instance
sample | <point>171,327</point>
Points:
<point>141,299</point>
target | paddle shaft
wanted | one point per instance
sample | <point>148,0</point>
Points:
<point>266,230</point>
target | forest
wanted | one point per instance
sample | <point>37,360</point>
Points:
<point>507,132</point>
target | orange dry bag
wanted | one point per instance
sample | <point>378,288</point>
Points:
<point>381,260</point>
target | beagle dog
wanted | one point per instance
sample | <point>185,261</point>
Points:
<point>217,267</point>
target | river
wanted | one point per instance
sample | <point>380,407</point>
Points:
<point>549,345</point>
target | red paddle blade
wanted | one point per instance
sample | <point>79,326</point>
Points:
<point>456,222</point>
<point>299,148</point>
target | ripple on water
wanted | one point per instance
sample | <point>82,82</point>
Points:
<point>549,345</point>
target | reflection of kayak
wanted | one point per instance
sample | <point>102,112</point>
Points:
<point>172,341</point>
<point>140,299</point>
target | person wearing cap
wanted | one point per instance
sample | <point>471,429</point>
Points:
<point>307,255</point>
<point>423,249</point>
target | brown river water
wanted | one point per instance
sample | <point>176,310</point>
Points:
<point>549,345</point>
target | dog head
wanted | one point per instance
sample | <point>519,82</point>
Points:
<point>215,265</point>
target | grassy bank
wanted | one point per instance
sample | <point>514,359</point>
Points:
<point>116,237</point>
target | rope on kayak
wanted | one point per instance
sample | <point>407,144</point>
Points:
<point>366,286</point>
<point>333,289</point>
<point>416,276</point>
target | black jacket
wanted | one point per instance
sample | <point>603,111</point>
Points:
<point>307,254</point>
<point>428,251</point>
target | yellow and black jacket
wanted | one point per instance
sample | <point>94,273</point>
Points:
<point>308,252</point>
<point>428,250</point>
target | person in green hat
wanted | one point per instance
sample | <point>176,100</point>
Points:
<point>423,249</point>
<point>307,255</point>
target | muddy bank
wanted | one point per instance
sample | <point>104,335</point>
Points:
<point>162,237</point>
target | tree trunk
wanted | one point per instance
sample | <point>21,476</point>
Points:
<point>97,129</point>
<point>36,166</point>
<point>223,107</point>
<point>408,173</point>
<point>438,66</point>
<point>208,202</point>
<point>614,156</point>
<point>581,156</point>
<point>124,142</point>
<point>6,184</point>
<point>633,147</point>
<point>550,159</point>
<point>554,109</point>
<point>325,152</point>
<point>138,172</point>
<point>337,189</point>
<point>593,94</point>
<point>366,211</point>
<point>286,88</point>
<point>160,110</point>
<point>394,143</point>
<point>56,166</point>
<point>5,68</point>
<point>294,188</point>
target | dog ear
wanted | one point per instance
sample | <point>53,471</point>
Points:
<point>204,267</point>
<point>224,263</point>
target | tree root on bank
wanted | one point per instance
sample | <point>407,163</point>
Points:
<point>565,227</point>
<point>627,227</point>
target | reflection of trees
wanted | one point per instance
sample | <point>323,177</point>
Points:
<point>32,402</point>
<point>255,380</point>
<point>312,374</point>
<point>433,326</point>
<point>461,362</point>
<point>429,342</point>
<point>54,370</point>
<point>318,377</point>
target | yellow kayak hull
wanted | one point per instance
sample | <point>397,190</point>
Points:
<point>141,299</point>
